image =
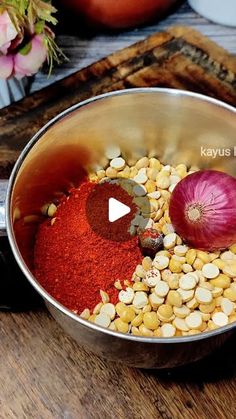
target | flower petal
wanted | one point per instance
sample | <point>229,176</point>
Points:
<point>29,64</point>
<point>4,48</point>
<point>6,66</point>
<point>8,31</point>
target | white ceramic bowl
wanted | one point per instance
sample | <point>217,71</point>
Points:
<point>219,11</point>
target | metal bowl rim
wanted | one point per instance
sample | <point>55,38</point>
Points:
<point>9,227</point>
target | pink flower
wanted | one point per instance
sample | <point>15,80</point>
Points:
<point>6,66</point>
<point>8,32</point>
<point>27,64</point>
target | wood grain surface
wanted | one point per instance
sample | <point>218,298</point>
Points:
<point>44,373</point>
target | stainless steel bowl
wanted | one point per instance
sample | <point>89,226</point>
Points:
<point>179,126</point>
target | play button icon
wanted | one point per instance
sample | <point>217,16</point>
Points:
<point>111,208</point>
<point>116,210</point>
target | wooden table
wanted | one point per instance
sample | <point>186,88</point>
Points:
<point>44,374</point>
<point>84,50</point>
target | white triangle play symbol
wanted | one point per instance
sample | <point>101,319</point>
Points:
<point>116,210</point>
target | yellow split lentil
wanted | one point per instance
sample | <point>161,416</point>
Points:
<point>181,291</point>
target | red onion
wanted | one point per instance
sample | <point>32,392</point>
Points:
<point>203,210</point>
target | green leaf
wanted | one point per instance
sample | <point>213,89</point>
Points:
<point>39,27</point>
<point>26,49</point>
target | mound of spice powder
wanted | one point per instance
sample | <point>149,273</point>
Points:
<point>72,261</point>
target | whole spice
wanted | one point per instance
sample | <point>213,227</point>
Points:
<point>203,209</point>
<point>150,241</point>
<point>72,261</point>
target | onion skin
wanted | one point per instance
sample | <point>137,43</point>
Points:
<point>203,210</point>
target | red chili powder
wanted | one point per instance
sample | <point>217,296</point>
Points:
<point>72,261</point>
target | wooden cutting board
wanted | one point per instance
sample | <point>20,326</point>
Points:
<point>179,58</point>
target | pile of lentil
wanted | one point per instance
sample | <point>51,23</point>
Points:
<point>181,291</point>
